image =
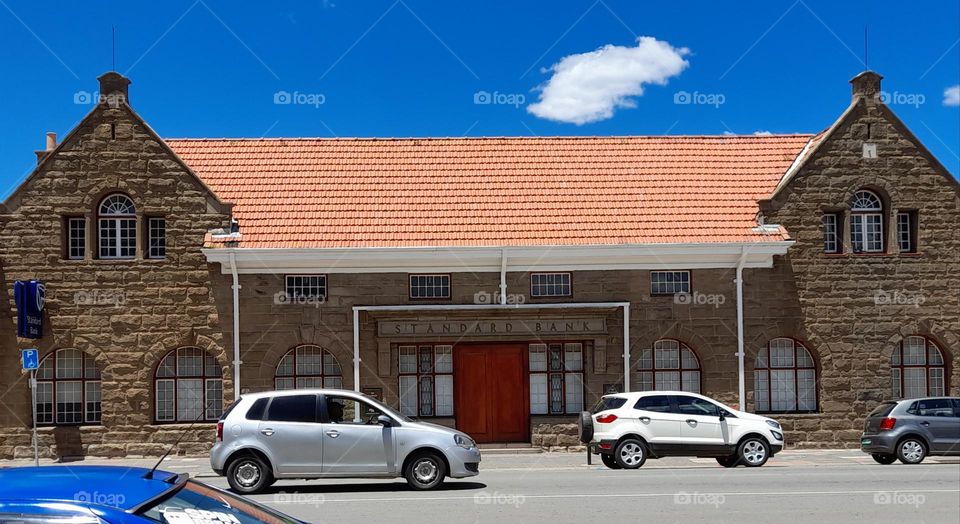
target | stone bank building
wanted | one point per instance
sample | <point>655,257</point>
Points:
<point>498,285</point>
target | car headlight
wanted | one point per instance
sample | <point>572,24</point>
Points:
<point>464,441</point>
<point>773,424</point>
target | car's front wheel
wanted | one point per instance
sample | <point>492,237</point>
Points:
<point>729,461</point>
<point>753,452</point>
<point>911,450</point>
<point>609,461</point>
<point>425,471</point>
<point>884,458</point>
<point>249,474</point>
<point>631,453</point>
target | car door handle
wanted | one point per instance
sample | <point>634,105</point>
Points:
<point>691,422</point>
<point>924,423</point>
<point>333,433</point>
<point>267,431</point>
<point>645,420</point>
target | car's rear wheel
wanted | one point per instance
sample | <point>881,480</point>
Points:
<point>585,426</point>
<point>249,474</point>
<point>753,452</point>
<point>884,458</point>
<point>730,461</point>
<point>631,453</point>
<point>911,450</point>
<point>609,461</point>
<point>425,471</point>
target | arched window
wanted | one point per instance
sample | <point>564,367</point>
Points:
<point>189,386</point>
<point>866,222</point>
<point>117,227</point>
<point>670,365</point>
<point>785,377</point>
<point>308,366</point>
<point>68,388</point>
<point>918,369</point>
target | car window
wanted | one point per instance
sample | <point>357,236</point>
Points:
<point>607,403</point>
<point>695,406</point>
<point>656,403</point>
<point>347,410</point>
<point>293,408</point>
<point>231,407</point>
<point>256,410</point>
<point>935,407</point>
<point>912,409</point>
<point>196,503</point>
<point>956,407</point>
<point>883,409</point>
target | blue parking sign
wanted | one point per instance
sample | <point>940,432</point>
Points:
<point>30,359</point>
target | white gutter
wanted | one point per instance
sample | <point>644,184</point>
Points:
<point>236,327</point>
<point>740,345</point>
<point>494,307</point>
<point>503,276</point>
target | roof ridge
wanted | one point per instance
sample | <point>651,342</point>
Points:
<point>538,137</point>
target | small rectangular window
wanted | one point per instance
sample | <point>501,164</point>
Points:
<point>429,286</point>
<point>550,285</point>
<point>426,380</point>
<point>669,282</point>
<point>831,233</point>
<point>907,231</point>
<point>556,378</point>
<point>293,408</point>
<point>306,286</point>
<point>157,237</point>
<point>76,238</point>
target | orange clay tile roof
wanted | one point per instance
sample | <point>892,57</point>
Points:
<point>322,193</point>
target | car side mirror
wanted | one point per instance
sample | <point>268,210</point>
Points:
<point>722,416</point>
<point>384,421</point>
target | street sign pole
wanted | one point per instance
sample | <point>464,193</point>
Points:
<point>33,402</point>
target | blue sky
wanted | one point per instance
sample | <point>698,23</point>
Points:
<point>410,68</point>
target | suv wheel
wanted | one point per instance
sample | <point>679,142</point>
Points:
<point>609,461</point>
<point>631,453</point>
<point>884,458</point>
<point>248,474</point>
<point>730,461</point>
<point>425,471</point>
<point>911,450</point>
<point>753,452</point>
<point>585,426</point>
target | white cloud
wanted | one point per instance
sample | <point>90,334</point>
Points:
<point>951,96</point>
<point>589,87</point>
<point>762,132</point>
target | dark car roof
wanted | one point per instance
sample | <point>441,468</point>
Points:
<point>114,486</point>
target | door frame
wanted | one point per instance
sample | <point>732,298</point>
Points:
<point>458,401</point>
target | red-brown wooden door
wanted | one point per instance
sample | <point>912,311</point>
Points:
<point>492,392</point>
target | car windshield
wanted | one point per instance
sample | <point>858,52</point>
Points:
<point>197,503</point>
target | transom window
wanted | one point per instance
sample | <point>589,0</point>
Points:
<point>76,238</point>
<point>188,385</point>
<point>556,378</point>
<point>429,286</point>
<point>866,222</point>
<point>306,286</point>
<point>785,378</point>
<point>68,389</point>
<point>117,227</point>
<point>157,237</point>
<point>550,285</point>
<point>917,369</point>
<point>308,366</point>
<point>669,282</point>
<point>426,380</point>
<point>669,366</point>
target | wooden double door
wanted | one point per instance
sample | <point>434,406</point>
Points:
<point>492,392</point>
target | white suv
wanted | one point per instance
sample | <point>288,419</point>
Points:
<point>627,428</point>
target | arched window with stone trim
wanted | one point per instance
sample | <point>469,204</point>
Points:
<point>68,389</point>
<point>785,378</point>
<point>117,227</point>
<point>188,386</point>
<point>866,222</point>
<point>918,369</point>
<point>308,366</point>
<point>668,365</point>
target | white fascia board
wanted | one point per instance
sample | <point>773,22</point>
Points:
<point>489,259</point>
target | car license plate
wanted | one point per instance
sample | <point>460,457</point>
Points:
<point>865,442</point>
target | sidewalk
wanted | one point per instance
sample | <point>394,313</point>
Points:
<point>200,467</point>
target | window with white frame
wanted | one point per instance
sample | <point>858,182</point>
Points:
<point>550,285</point>
<point>76,238</point>
<point>429,286</point>
<point>785,378</point>
<point>117,225</point>
<point>68,389</point>
<point>831,233</point>
<point>308,366</point>
<point>306,286</point>
<point>906,231</point>
<point>669,282</point>
<point>426,380</point>
<point>918,369</point>
<point>866,222</point>
<point>157,237</point>
<point>556,378</point>
<point>188,387</point>
<point>668,365</point>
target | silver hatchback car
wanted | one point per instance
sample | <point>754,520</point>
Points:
<point>324,433</point>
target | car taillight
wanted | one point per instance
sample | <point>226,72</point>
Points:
<point>887,423</point>
<point>606,419</point>
<point>219,431</point>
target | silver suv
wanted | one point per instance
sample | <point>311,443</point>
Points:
<point>909,430</point>
<point>322,433</point>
